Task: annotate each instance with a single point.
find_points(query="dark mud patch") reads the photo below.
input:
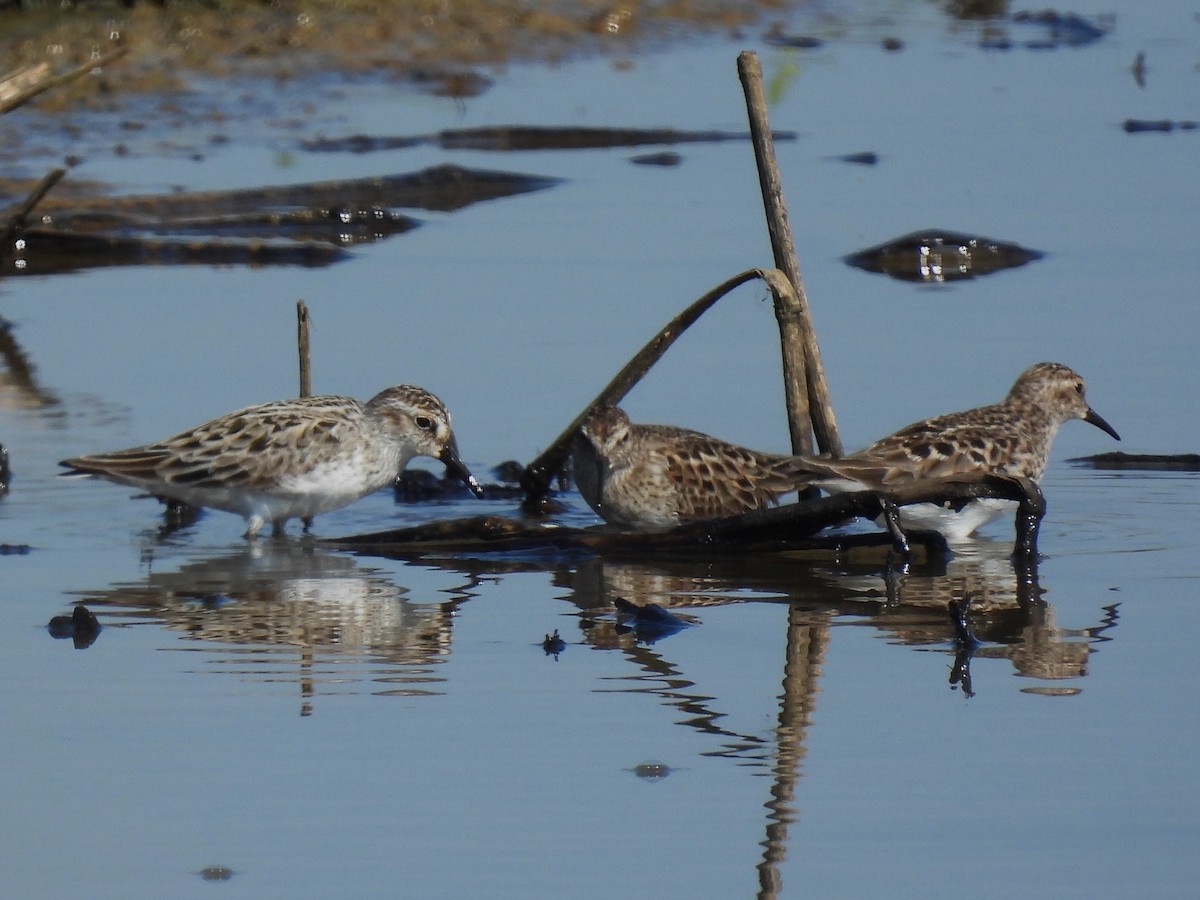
(437, 46)
(1158, 126)
(1150, 462)
(529, 137)
(305, 225)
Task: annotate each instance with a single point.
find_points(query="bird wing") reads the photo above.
(935, 449)
(246, 449)
(716, 478)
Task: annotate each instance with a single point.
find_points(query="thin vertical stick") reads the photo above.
(305, 366)
(302, 345)
(806, 389)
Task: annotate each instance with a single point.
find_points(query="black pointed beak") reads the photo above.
(1096, 419)
(455, 467)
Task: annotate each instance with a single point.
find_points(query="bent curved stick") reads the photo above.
(536, 478)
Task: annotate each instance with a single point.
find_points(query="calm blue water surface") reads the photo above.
(323, 724)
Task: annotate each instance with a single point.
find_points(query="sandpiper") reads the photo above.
(654, 476)
(289, 458)
(1010, 438)
(646, 476)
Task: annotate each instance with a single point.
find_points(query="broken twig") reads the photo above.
(16, 220)
(303, 348)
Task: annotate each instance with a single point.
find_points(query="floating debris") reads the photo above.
(81, 626)
(667, 158)
(936, 255)
(5, 471)
(777, 37)
(1138, 69)
(652, 771)
(866, 158)
(1151, 462)
(1161, 126)
(529, 137)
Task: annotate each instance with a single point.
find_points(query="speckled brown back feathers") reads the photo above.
(252, 447)
(660, 475)
(1012, 437)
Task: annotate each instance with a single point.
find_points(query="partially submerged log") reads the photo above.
(792, 527)
(45, 251)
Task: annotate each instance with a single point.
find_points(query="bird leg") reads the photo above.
(965, 644)
(891, 518)
(1031, 508)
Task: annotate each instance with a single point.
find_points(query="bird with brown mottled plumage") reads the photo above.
(646, 476)
(652, 476)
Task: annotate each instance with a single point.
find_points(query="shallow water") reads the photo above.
(324, 724)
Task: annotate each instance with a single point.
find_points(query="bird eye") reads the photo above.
(424, 422)
(1079, 388)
